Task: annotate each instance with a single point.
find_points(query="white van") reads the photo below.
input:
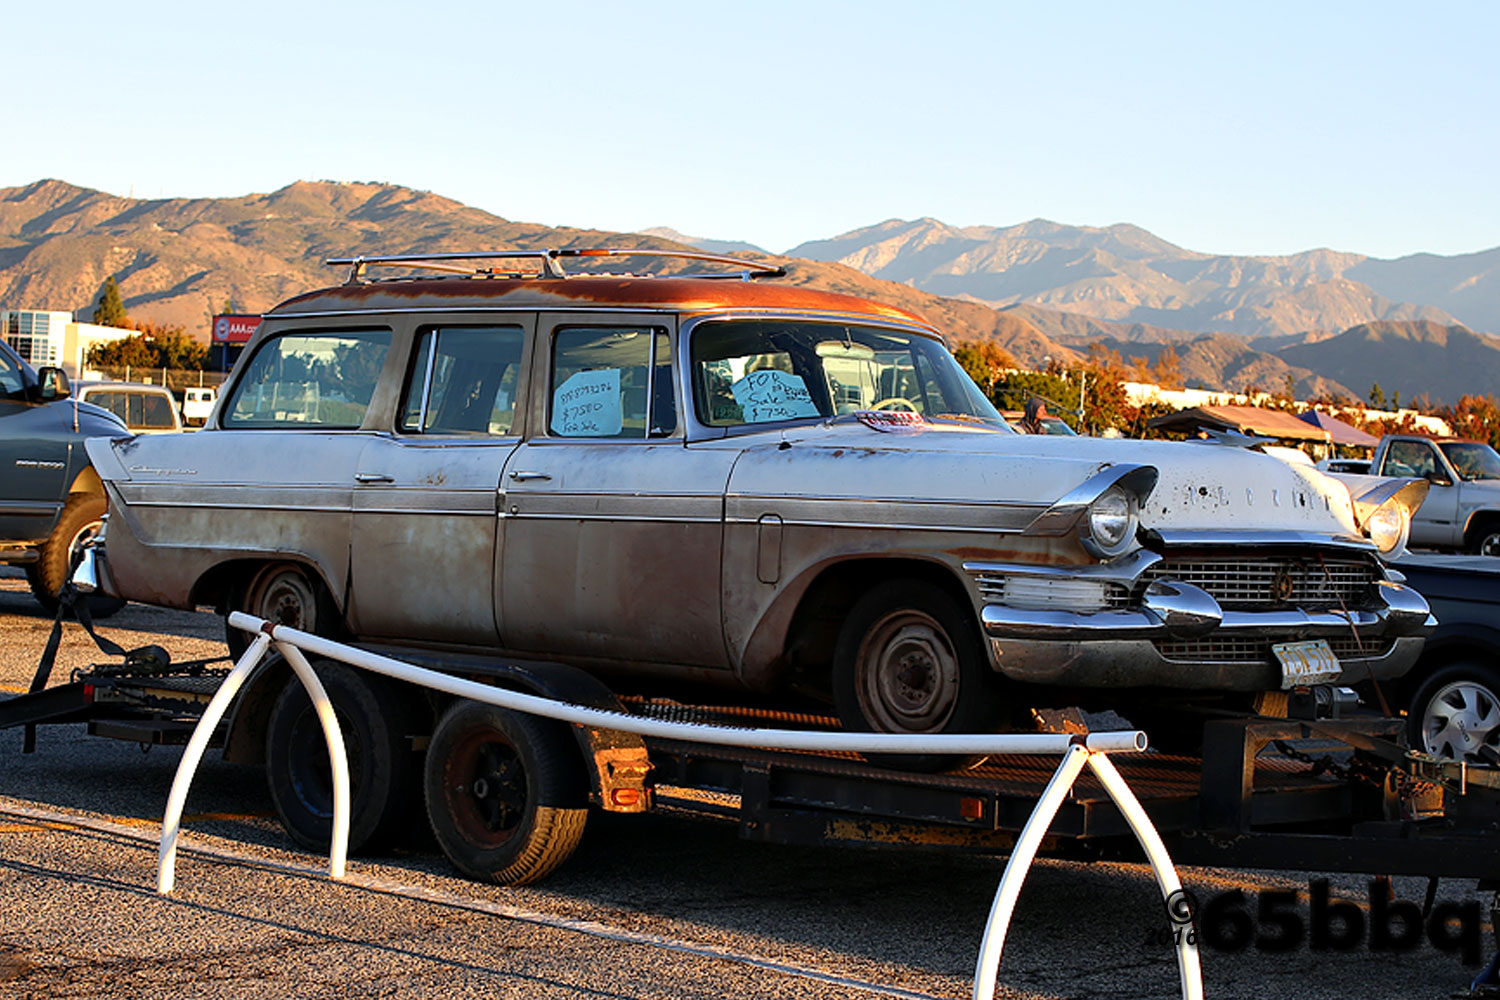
(197, 404)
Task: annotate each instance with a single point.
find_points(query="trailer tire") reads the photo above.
(506, 794)
(907, 660)
(1456, 711)
(377, 723)
(81, 517)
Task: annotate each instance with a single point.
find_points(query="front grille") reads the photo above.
(1256, 649)
(1065, 593)
(1267, 582)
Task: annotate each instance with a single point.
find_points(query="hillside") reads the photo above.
(179, 260)
(1124, 274)
(1442, 362)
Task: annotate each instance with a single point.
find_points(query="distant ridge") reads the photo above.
(180, 260)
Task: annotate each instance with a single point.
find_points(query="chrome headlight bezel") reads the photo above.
(1389, 528)
(1109, 523)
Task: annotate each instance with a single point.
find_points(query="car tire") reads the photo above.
(82, 515)
(908, 660)
(506, 794)
(1456, 711)
(1484, 540)
(282, 593)
(377, 721)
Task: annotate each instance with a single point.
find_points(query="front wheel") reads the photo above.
(82, 516)
(908, 660)
(505, 792)
(1456, 711)
(1485, 540)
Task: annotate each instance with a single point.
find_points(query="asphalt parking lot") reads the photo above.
(650, 907)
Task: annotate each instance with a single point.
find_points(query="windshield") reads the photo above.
(1472, 460)
(764, 371)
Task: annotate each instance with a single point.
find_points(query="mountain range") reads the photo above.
(1041, 290)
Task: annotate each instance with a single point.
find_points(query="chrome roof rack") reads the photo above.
(448, 263)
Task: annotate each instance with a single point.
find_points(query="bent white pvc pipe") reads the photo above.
(171, 823)
(780, 739)
(1189, 971)
(1016, 868)
(338, 761)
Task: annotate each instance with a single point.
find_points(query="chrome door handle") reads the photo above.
(522, 477)
(373, 477)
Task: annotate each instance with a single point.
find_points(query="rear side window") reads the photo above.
(612, 382)
(139, 410)
(310, 379)
(463, 381)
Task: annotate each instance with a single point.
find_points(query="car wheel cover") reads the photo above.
(1489, 545)
(1460, 718)
(907, 674)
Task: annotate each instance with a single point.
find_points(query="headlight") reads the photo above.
(1111, 523)
(1388, 526)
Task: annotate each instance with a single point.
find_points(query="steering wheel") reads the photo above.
(895, 403)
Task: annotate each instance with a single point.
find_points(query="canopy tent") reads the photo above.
(1342, 433)
(1245, 419)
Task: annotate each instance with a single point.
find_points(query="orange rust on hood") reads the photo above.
(688, 295)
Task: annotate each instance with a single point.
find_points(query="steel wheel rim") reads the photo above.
(908, 674)
(1490, 545)
(485, 783)
(84, 535)
(286, 598)
(1459, 719)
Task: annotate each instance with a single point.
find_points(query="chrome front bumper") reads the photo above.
(1125, 647)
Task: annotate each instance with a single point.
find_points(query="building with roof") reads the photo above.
(49, 337)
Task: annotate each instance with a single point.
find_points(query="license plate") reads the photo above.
(1304, 663)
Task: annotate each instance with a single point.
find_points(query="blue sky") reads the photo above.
(1262, 128)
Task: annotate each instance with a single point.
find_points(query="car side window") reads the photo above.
(1410, 458)
(612, 382)
(463, 380)
(319, 378)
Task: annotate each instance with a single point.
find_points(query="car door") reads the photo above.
(613, 526)
(35, 454)
(427, 495)
(1435, 521)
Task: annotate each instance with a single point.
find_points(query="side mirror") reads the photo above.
(52, 384)
(1438, 478)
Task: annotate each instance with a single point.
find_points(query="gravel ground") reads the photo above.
(654, 906)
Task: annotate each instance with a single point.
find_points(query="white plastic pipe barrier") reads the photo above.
(171, 826)
(1077, 751)
(1189, 972)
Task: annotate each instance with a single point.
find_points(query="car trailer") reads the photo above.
(1324, 794)
(1315, 794)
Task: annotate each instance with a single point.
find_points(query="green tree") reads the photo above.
(111, 310)
(985, 361)
(1377, 396)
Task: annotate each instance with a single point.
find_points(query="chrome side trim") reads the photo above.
(883, 512)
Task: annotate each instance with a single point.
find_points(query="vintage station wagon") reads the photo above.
(670, 480)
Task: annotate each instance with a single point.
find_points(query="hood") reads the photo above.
(1199, 485)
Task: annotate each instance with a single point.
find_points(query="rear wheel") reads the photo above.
(505, 792)
(282, 594)
(81, 518)
(908, 660)
(377, 720)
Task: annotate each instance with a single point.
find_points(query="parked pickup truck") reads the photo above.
(1462, 509)
(50, 499)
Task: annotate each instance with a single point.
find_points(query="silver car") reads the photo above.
(686, 480)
